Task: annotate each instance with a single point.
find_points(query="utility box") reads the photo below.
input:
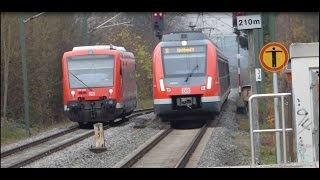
(243, 100)
(305, 93)
(246, 93)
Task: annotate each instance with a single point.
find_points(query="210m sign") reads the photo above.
(249, 22)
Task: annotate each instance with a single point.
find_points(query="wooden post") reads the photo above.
(99, 135)
(99, 138)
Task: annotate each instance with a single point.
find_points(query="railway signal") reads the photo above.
(234, 21)
(158, 23)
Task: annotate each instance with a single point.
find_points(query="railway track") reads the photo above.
(170, 148)
(25, 154)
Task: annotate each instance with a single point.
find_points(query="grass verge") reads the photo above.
(267, 141)
(13, 132)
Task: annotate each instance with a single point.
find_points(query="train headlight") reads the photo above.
(110, 91)
(203, 88)
(161, 85)
(184, 43)
(209, 82)
(168, 89)
(73, 93)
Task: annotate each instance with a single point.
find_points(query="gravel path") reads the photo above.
(222, 149)
(120, 141)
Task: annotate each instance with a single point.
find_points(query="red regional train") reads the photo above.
(99, 84)
(190, 76)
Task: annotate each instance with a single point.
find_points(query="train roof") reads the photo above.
(185, 35)
(110, 47)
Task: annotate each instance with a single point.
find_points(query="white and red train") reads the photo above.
(190, 75)
(99, 84)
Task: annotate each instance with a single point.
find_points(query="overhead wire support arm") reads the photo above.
(124, 23)
(104, 23)
(32, 17)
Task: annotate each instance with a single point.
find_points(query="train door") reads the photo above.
(123, 82)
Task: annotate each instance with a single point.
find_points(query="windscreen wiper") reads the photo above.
(189, 75)
(80, 80)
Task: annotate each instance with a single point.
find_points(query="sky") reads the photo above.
(221, 22)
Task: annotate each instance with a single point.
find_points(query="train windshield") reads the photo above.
(91, 71)
(184, 61)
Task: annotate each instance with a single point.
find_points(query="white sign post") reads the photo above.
(249, 22)
(258, 74)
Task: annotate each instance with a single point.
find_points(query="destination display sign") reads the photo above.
(178, 50)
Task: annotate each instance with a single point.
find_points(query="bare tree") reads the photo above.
(6, 56)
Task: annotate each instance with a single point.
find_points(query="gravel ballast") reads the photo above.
(120, 141)
(222, 149)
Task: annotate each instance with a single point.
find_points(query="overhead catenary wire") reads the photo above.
(242, 35)
(197, 19)
(227, 14)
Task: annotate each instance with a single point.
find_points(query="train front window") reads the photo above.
(184, 61)
(91, 71)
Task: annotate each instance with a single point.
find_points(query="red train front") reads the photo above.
(190, 75)
(99, 84)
